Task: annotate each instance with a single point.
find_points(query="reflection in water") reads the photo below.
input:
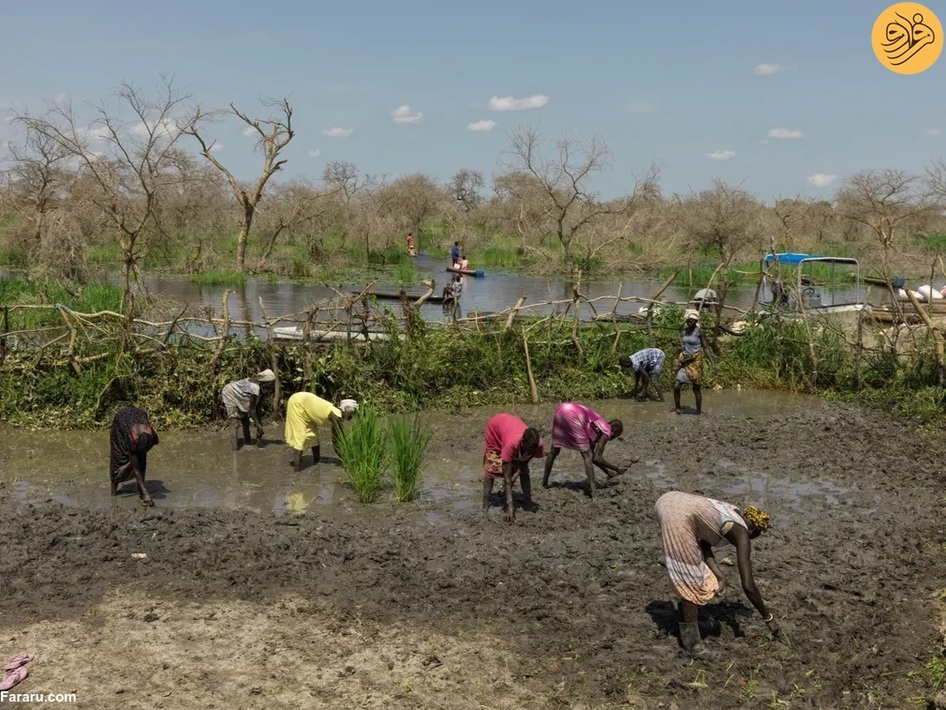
(198, 469)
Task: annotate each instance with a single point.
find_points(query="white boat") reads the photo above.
(294, 332)
(800, 293)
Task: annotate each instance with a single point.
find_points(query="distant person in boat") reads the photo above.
(455, 253)
(582, 429)
(647, 365)
(463, 264)
(510, 445)
(243, 401)
(691, 526)
(305, 413)
(690, 361)
(132, 437)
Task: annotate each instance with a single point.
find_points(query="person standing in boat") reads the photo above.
(242, 401)
(690, 361)
(690, 527)
(646, 365)
(510, 444)
(582, 429)
(132, 437)
(455, 254)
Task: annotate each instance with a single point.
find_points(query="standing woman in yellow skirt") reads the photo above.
(305, 413)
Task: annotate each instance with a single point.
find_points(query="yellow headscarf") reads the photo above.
(758, 518)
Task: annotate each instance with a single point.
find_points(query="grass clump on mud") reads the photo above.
(409, 439)
(362, 447)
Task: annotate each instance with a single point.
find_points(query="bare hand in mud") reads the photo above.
(509, 514)
(776, 631)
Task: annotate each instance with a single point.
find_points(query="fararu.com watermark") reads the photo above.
(7, 696)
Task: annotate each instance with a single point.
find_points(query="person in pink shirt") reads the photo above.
(581, 428)
(510, 445)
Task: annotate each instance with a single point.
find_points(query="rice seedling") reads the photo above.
(362, 447)
(409, 440)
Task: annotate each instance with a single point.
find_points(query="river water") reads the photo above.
(496, 291)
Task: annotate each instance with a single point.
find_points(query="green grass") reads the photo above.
(361, 446)
(389, 257)
(219, 277)
(495, 257)
(409, 440)
(405, 274)
(87, 298)
(14, 257)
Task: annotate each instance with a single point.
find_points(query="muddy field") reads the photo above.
(265, 589)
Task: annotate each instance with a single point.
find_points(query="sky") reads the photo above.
(783, 98)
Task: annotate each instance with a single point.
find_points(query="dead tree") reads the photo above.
(564, 180)
(275, 132)
(129, 161)
(885, 201)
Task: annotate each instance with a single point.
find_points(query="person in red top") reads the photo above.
(410, 243)
(510, 445)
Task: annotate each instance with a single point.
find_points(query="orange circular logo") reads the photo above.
(907, 38)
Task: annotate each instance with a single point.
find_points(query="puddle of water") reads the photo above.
(198, 468)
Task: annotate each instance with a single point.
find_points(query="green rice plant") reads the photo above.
(409, 440)
(362, 447)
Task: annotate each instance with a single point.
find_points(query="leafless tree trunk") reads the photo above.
(275, 133)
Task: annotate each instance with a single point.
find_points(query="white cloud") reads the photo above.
(315, 153)
(933, 132)
(338, 132)
(403, 114)
(721, 155)
(484, 125)
(821, 179)
(61, 98)
(642, 105)
(508, 103)
(92, 134)
(167, 126)
(769, 69)
(785, 133)
(216, 147)
(249, 131)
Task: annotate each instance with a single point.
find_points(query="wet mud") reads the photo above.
(297, 596)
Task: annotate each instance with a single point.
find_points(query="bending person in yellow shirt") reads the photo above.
(305, 413)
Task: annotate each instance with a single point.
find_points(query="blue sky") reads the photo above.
(674, 81)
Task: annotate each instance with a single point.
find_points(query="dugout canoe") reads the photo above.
(467, 272)
(393, 296)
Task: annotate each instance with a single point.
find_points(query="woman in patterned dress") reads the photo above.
(691, 526)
